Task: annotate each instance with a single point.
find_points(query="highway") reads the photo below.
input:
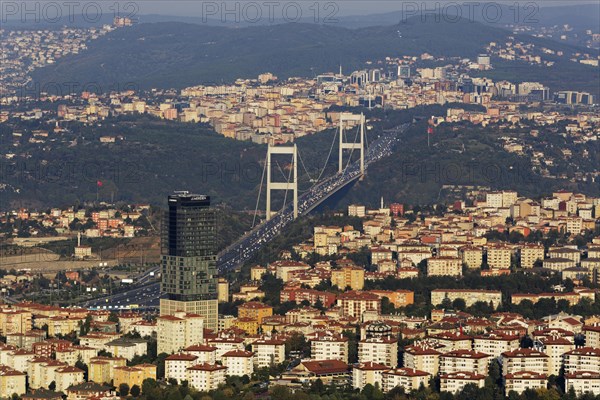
(145, 293)
(243, 249)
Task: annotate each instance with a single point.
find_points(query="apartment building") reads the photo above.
(399, 298)
(530, 253)
(498, 256)
(565, 252)
(380, 350)
(367, 373)
(470, 296)
(254, 310)
(592, 335)
(239, 363)
(524, 360)
(348, 276)
(175, 332)
(176, 366)
(101, 369)
(14, 321)
(206, 354)
(456, 381)
(268, 352)
(496, 343)
(406, 378)
(452, 340)
(126, 347)
(329, 346)
(206, 377)
(75, 353)
(464, 360)
(42, 372)
(12, 381)
(225, 344)
(554, 346)
(583, 382)
(444, 266)
(66, 377)
(423, 358)
(354, 303)
(582, 359)
(522, 380)
(472, 256)
(558, 264)
(134, 375)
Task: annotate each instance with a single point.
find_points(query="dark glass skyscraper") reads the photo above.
(189, 257)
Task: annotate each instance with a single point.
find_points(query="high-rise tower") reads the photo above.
(189, 258)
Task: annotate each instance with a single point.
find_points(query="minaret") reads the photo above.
(78, 239)
(340, 69)
(381, 203)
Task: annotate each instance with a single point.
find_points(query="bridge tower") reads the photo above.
(352, 145)
(292, 150)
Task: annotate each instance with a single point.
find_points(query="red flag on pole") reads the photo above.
(430, 130)
(99, 183)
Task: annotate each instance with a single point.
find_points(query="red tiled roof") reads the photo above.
(238, 353)
(406, 372)
(206, 367)
(322, 367)
(370, 366)
(181, 357)
(518, 353)
(200, 347)
(462, 375)
(526, 375)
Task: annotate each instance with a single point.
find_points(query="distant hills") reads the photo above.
(579, 16)
(171, 54)
(177, 55)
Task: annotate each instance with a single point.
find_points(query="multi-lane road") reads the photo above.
(243, 249)
(146, 291)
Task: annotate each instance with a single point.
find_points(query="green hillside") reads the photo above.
(156, 157)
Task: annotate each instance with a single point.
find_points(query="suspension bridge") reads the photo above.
(323, 188)
(147, 296)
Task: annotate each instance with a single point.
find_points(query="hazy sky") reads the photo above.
(342, 7)
(255, 10)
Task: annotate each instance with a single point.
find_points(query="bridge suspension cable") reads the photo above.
(262, 179)
(304, 166)
(311, 179)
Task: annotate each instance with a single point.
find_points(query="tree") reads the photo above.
(280, 393)
(82, 366)
(352, 345)
(319, 305)
(148, 385)
(386, 306)
(113, 317)
(135, 391)
(495, 373)
(175, 395)
(459, 304)
(123, 389)
(526, 342)
(85, 327)
(446, 303)
(297, 344)
(372, 392)
(317, 387)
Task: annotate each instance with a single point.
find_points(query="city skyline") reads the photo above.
(212, 204)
